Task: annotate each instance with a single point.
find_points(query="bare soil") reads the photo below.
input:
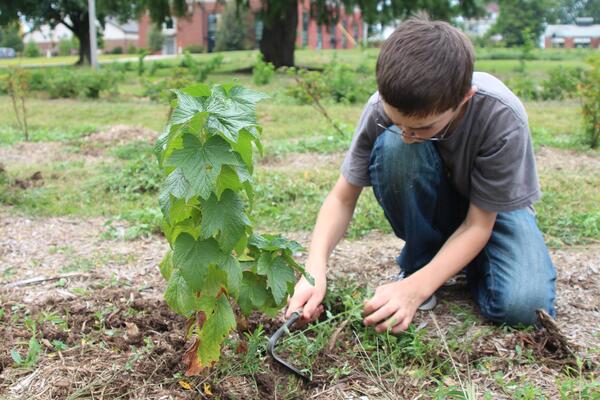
(123, 341)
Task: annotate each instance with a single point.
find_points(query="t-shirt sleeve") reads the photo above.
(504, 176)
(355, 167)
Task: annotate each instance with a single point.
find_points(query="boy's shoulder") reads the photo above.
(497, 98)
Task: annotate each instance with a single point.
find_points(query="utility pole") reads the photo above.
(93, 42)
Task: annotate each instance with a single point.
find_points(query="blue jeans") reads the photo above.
(510, 278)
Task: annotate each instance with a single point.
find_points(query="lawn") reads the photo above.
(79, 206)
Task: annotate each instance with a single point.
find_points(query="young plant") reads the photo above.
(590, 99)
(206, 152)
(17, 86)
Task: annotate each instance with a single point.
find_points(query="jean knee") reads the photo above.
(519, 307)
(393, 159)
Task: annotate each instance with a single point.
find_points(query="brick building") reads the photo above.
(346, 34)
(199, 28)
(583, 34)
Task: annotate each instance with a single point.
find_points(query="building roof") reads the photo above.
(127, 27)
(573, 30)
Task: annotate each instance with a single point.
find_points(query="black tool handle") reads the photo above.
(275, 338)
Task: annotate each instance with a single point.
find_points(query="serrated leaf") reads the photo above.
(215, 330)
(179, 295)
(187, 107)
(278, 273)
(189, 226)
(245, 98)
(200, 164)
(244, 148)
(274, 242)
(228, 179)
(177, 185)
(253, 292)
(225, 217)
(232, 268)
(215, 280)
(197, 90)
(166, 265)
(193, 257)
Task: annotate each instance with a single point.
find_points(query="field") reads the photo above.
(78, 209)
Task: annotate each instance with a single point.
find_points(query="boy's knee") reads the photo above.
(519, 307)
(392, 155)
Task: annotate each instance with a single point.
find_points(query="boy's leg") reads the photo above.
(410, 184)
(514, 275)
(509, 279)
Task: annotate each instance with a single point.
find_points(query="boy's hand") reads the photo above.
(393, 306)
(309, 297)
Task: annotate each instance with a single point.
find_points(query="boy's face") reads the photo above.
(419, 129)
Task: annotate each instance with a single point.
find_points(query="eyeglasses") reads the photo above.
(399, 131)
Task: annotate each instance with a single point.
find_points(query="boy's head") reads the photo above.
(425, 68)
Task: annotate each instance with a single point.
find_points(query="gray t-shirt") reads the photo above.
(489, 155)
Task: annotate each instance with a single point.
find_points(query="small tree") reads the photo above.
(31, 50)
(590, 101)
(17, 87)
(11, 37)
(156, 39)
(232, 32)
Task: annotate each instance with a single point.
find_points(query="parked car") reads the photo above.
(7, 52)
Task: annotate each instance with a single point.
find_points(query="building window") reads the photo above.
(211, 32)
(332, 39)
(258, 30)
(355, 25)
(305, 20)
(169, 23)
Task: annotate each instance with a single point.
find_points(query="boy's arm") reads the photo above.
(332, 221)
(395, 304)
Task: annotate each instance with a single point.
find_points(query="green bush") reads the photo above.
(155, 39)
(338, 82)
(63, 84)
(131, 49)
(524, 87)
(345, 85)
(65, 46)
(37, 80)
(262, 72)
(117, 50)
(95, 82)
(589, 90)
(73, 83)
(159, 91)
(31, 50)
(561, 83)
(194, 49)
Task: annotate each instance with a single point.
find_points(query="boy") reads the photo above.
(449, 155)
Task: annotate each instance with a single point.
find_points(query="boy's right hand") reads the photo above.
(309, 298)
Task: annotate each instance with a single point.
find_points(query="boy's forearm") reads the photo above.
(460, 249)
(332, 221)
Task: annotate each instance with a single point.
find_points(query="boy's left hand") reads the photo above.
(393, 306)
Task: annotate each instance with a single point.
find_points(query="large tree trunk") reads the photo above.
(81, 30)
(279, 35)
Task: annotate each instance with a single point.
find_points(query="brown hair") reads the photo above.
(425, 67)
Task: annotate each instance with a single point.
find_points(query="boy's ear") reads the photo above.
(470, 93)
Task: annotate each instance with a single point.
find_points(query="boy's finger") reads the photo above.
(373, 304)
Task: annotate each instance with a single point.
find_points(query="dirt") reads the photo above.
(123, 341)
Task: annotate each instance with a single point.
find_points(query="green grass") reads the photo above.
(25, 61)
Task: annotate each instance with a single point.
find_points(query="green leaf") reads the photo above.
(201, 164)
(179, 295)
(232, 268)
(187, 107)
(166, 265)
(253, 293)
(225, 217)
(279, 274)
(197, 90)
(215, 279)
(275, 242)
(215, 329)
(174, 209)
(244, 148)
(177, 185)
(193, 257)
(246, 99)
